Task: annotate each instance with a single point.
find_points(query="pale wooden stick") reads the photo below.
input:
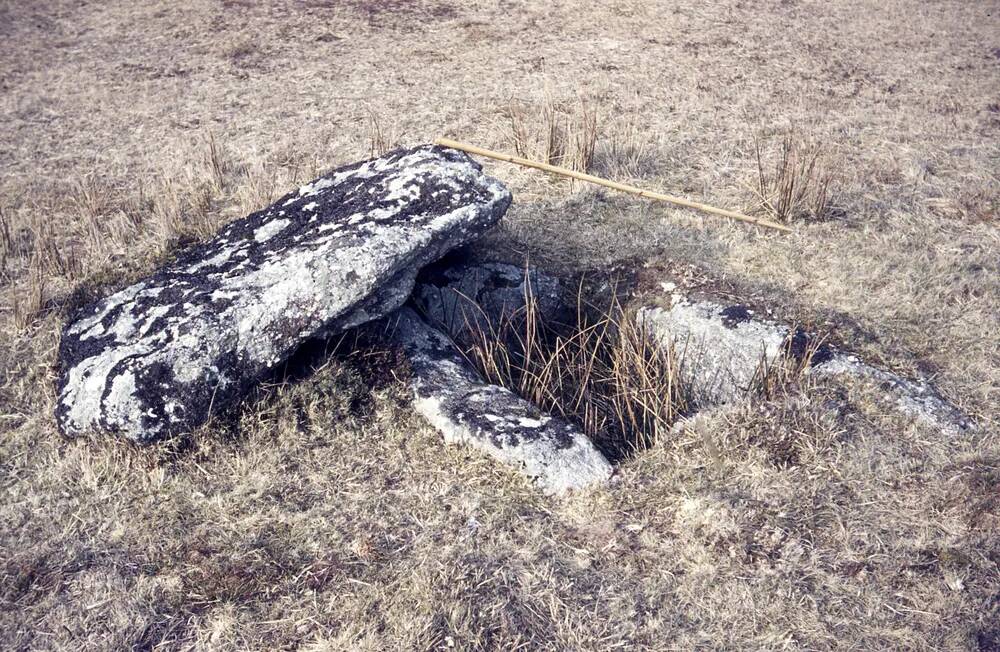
(555, 169)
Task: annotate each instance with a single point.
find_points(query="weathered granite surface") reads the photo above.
(465, 296)
(453, 397)
(724, 344)
(721, 347)
(917, 399)
(159, 356)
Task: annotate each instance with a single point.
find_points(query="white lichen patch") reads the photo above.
(310, 189)
(93, 325)
(272, 228)
(224, 255)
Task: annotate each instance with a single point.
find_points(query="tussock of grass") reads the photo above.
(6, 239)
(383, 134)
(558, 133)
(774, 375)
(624, 151)
(797, 185)
(603, 372)
(216, 163)
(27, 300)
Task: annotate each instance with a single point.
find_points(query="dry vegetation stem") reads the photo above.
(623, 187)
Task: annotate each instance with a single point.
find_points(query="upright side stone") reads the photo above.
(465, 298)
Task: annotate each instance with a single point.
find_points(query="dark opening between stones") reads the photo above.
(366, 364)
(568, 346)
(344, 373)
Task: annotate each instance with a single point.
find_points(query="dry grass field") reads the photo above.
(325, 515)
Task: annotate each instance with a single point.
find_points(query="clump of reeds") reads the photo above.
(216, 164)
(797, 185)
(6, 239)
(28, 300)
(776, 374)
(603, 373)
(383, 136)
(557, 133)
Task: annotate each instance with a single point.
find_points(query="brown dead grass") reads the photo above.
(325, 515)
(382, 135)
(557, 133)
(797, 184)
(604, 372)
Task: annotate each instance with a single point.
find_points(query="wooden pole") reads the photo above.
(623, 187)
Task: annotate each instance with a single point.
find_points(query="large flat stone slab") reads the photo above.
(455, 399)
(159, 356)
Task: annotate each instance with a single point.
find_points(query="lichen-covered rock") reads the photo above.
(158, 357)
(722, 347)
(725, 346)
(462, 297)
(916, 399)
(455, 399)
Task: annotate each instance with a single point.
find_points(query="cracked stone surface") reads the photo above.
(478, 295)
(723, 346)
(156, 358)
(455, 399)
